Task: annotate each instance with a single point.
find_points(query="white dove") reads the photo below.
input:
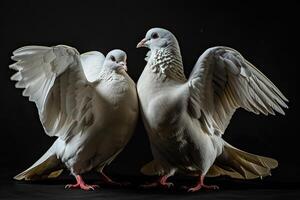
(88, 101)
(186, 118)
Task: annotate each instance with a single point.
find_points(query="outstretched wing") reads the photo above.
(222, 81)
(53, 78)
(92, 62)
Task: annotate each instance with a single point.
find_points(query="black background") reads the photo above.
(264, 34)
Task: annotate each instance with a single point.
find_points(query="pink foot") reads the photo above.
(202, 185)
(81, 184)
(198, 187)
(108, 181)
(162, 182)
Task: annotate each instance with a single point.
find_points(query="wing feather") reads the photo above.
(222, 81)
(53, 78)
(92, 62)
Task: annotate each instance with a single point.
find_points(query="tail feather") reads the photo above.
(48, 166)
(242, 165)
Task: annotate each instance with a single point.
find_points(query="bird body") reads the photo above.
(104, 140)
(185, 118)
(88, 101)
(163, 103)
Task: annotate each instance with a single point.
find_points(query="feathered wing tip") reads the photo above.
(242, 165)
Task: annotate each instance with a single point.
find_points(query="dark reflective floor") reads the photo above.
(229, 189)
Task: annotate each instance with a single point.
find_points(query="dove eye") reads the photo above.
(113, 58)
(154, 36)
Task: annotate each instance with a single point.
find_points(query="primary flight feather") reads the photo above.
(87, 101)
(186, 117)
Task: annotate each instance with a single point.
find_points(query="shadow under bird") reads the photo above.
(186, 118)
(87, 101)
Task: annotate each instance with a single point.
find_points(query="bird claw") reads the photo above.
(82, 186)
(198, 187)
(89, 187)
(69, 186)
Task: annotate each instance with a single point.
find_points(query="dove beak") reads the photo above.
(123, 65)
(142, 43)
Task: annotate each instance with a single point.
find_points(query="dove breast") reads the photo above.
(170, 128)
(119, 100)
(116, 109)
(161, 104)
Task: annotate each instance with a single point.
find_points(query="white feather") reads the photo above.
(92, 62)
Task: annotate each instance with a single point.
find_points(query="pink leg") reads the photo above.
(161, 182)
(108, 180)
(81, 184)
(201, 184)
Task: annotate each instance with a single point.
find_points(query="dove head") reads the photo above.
(157, 38)
(115, 60)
